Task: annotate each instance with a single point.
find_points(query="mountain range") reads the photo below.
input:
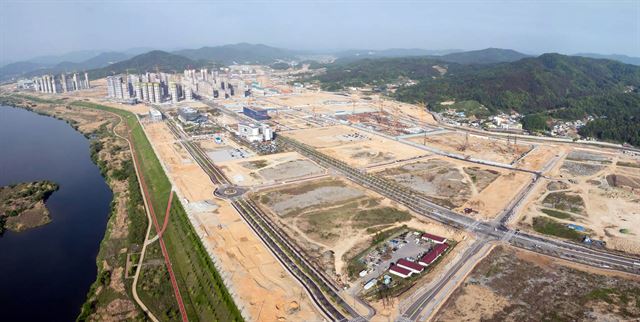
(243, 53)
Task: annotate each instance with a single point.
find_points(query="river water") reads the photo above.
(46, 272)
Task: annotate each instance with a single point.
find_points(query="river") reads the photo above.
(46, 272)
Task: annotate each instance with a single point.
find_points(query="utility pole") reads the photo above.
(424, 121)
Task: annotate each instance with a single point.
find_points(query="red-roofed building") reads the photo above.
(428, 258)
(441, 248)
(434, 238)
(399, 271)
(412, 266)
(433, 254)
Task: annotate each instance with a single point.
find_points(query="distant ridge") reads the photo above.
(484, 56)
(30, 69)
(148, 62)
(621, 58)
(239, 53)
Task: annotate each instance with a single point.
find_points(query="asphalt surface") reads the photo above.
(491, 231)
(488, 231)
(319, 287)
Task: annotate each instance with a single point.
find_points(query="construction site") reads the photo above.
(589, 194)
(340, 214)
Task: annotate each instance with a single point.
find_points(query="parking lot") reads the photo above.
(408, 245)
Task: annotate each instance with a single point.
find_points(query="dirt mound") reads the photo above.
(565, 201)
(580, 169)
(557, 185)
(616, 180)
(439, 180)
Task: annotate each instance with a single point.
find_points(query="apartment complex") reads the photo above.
(62, 83)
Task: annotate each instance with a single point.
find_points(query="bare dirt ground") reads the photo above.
(458, 184)
(267, 291)
(513, 285)
(358, 148)
(539, 157)
(496, 197)
(329, 103)
(268, 169)
(444, 182)
(593, 191)
(330, 136)
(489, 149)
(332, 218)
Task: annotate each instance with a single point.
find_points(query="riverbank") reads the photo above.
(201, 286)
(109, 298)
(22, 205)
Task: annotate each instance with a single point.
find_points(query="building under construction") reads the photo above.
(62, 83)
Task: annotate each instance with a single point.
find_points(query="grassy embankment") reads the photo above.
(201, 286)
(120, 239)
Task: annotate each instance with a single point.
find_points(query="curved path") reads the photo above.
(152, 219)
(134, 286)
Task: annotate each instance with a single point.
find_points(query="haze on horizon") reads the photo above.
(35, 28)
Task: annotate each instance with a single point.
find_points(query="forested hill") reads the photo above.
(483, 56)
(553, 85)
(148, 62)
(380, 71)
(530, 85)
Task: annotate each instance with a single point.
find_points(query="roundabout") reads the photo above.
(229, 192)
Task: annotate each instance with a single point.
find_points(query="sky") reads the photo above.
(36, 28)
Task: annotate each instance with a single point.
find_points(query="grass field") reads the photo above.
(201, 286)
(558, 214)
(549, 226)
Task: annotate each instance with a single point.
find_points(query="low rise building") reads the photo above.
(433, 254)
(155, 115)
(409, 265)
(255, 132)
(433, 238)
(188, 114)
(399, 271)
(255, 113)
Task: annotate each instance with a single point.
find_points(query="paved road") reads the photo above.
(490, 230)
(321, 289)
(414, 311)
(424, 207)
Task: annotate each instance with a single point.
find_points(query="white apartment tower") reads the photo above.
(156, 91)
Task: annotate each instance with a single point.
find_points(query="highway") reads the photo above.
(424, 207)
(320, 288)
(491, 231)
(417, 305)
(487, 231)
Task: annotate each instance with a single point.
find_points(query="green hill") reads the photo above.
(551, 85)
(530, 85)
(377, 71)
(148, 62)
(484, 56)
